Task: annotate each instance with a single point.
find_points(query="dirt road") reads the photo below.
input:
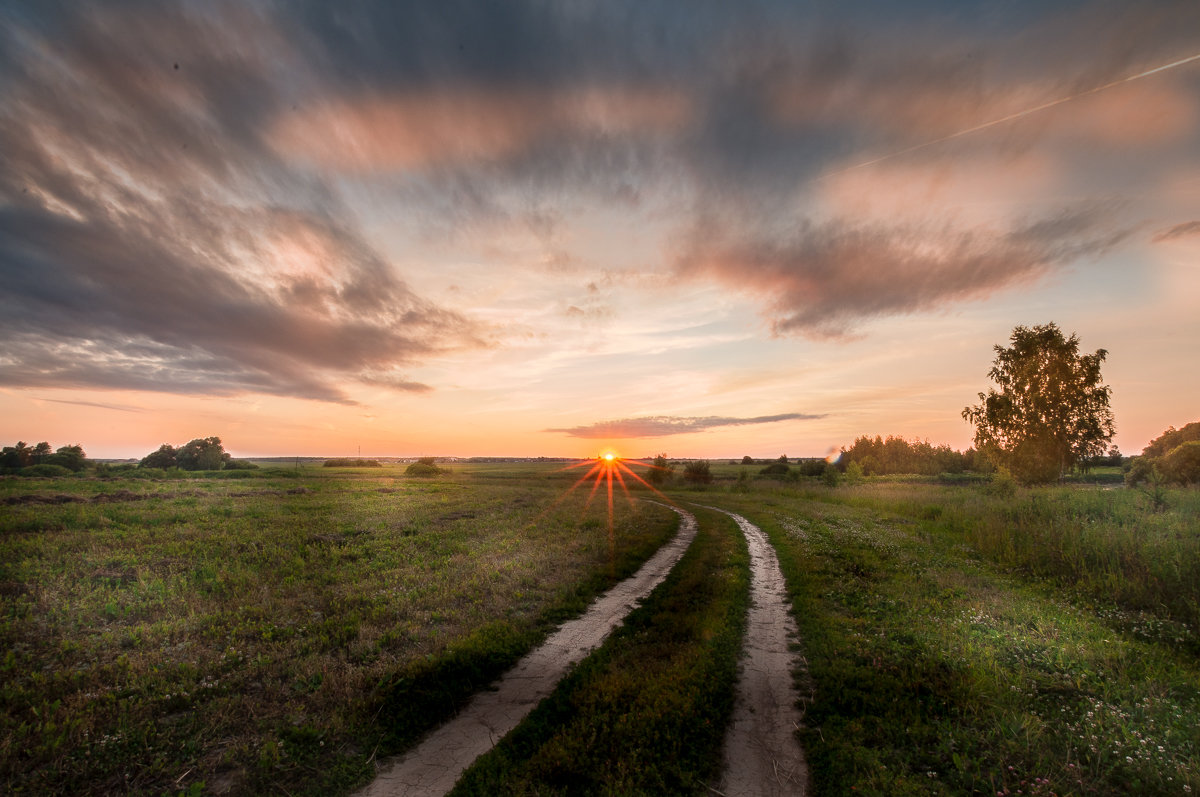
(433, 767)
(762, 755)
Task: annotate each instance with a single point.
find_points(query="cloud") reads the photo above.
(148, 240)
(1184, 230)
(116, 407)
(417, 130)
(665, 425)
(189, 193)
(823, 279)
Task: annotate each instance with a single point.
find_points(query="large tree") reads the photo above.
(1051, 410)
(203, 453)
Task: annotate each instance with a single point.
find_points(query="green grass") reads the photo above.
(941, 668)
(276, 632)
(646, 713)
(279, 630)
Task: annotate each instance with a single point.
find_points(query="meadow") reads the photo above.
(961, 640)
(279, 631)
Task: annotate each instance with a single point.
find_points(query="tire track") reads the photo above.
(761, 753)
(433, 767)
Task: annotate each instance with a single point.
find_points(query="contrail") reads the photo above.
(1012, 116)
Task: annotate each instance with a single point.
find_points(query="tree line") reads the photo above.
(42, 457)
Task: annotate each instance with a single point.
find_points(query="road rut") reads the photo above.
(434, 766)
(762, 755)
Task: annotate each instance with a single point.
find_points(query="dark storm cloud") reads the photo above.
(148, 240)
(665, 425)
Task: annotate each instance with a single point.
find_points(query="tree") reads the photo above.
(661, 471)
(205, 453)
(1182, 464)
(69, 457)
(1173, 456)
(17, 456)
(1051, 411)
(164, 457)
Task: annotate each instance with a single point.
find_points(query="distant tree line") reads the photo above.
(878, 456)
(346, 462)
(41, 457)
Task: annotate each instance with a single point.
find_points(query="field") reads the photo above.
(281, 631)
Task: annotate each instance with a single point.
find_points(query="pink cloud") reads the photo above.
(823, 279)
(413, 130)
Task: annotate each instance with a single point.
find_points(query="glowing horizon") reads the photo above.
(528, 230)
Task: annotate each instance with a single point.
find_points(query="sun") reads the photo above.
(609, 456)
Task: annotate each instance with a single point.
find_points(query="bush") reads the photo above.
(420, 468)
(812, 467)
(51, 471)
(775, 469)
(1182, 464)
(1002, 485)
(661, 471)
(831, 475)
(698, 472)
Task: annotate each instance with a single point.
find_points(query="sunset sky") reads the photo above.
(550, 228)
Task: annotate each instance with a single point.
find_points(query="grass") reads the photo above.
(273, 633)
(941, 667)
(277, 631)
(646, 713)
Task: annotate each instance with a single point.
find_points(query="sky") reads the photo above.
(548, 228)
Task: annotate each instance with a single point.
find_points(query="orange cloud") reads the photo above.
(414, 130)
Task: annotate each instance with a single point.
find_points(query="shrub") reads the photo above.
(775, 469)
(1138, 470)
(812, 467)
(661, 471)
(1002, 485)
(52, 471)
(698, 472)
(240, 464)
(831, 475)
(420, 468)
